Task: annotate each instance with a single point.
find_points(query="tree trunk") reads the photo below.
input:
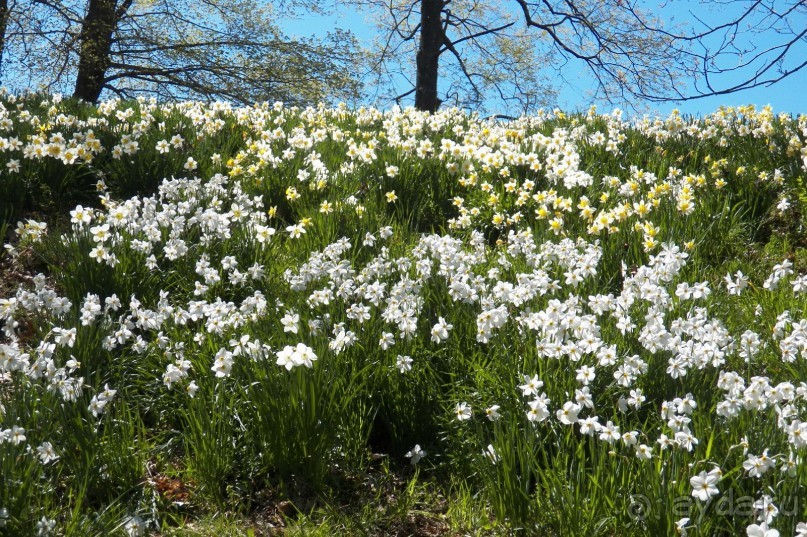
(431, 39)
(95, 42)
(3, 26)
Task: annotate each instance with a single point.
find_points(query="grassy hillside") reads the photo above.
(259, 320)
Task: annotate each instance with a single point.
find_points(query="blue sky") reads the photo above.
(785, 96)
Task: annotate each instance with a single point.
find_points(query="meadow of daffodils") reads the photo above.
(586, 325)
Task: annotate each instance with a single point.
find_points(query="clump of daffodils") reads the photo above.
(392, 301)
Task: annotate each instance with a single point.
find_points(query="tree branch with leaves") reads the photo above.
(198, 49)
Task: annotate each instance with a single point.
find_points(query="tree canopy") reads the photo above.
(226, 49)
(518, 51)
(469, 53)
